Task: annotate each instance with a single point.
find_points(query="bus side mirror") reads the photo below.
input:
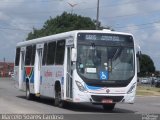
(139, 54)
(74, 55)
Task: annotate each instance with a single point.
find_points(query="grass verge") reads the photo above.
(147, 91)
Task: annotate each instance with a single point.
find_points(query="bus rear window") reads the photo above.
(17, 57)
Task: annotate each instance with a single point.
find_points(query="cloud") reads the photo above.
(8, 4)
(3, 16)
(21, 23)
(155, 33)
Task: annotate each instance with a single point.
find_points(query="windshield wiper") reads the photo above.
(116, 53)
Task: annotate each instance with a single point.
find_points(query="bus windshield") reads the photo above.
(105, 62)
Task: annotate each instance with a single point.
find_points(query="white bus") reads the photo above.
(96, 66)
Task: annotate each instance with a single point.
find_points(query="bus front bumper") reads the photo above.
(104, 98)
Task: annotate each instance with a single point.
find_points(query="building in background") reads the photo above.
(6, 69)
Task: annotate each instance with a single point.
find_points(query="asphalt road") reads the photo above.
(12, 101)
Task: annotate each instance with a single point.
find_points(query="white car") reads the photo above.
(145, 81)
(11, 74)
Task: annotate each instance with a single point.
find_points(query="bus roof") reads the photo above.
(66, 35)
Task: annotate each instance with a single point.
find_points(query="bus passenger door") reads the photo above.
(37, 69)
(21, 69)
(69, 92)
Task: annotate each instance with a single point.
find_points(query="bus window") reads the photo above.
(51, 53)
(44, 54)
(28, 55)
(33, 55)
(17, 57)
(60, 52)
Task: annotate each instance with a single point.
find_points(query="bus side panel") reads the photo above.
(49, 75)
(47, 81)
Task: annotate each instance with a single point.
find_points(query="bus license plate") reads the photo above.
(107, 101)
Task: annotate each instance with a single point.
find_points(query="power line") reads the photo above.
(145, 27)
(1, 28)
(123, 3)
(140, 26)
(132, 14)
(149, 23)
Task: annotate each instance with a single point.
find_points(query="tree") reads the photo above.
(146, 65)
(65, 22)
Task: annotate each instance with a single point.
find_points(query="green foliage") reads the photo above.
(65, 22)
(146, 65)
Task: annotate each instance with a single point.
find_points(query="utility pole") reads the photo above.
(97, 20)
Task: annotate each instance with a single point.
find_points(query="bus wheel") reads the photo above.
(58, 101)
(108, 107)
(28, 94)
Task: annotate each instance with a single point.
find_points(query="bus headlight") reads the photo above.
(80, 86)
(131, 88)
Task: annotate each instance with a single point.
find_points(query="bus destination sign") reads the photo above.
(103, 36)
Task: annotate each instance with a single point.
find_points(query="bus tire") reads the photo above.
(58, 100)
(108, 107)
(29, 96)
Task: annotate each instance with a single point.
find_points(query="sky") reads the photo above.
(139, 17)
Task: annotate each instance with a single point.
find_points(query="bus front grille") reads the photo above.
(97, 98)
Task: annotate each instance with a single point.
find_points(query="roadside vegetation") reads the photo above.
(147, 91)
